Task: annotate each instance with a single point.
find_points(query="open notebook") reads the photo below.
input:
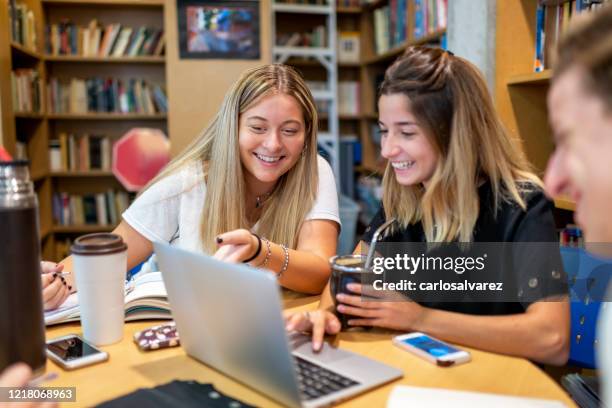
(145, 298)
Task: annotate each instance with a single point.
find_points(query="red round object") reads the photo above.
(139, 155)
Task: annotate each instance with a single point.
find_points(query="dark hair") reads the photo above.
(588, 44)
(421, 74)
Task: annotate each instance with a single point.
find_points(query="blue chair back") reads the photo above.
(588, 278)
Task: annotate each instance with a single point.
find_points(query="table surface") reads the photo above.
(129, 369)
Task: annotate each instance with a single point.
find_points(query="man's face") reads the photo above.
(581, 165)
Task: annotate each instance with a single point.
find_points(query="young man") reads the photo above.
(580, 107)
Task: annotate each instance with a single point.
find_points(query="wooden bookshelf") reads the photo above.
(81, 229)
(532, 78)
(564, 203)
(35, 130)
(105, 116)
(520, 92)
(81, 174)
(348, 10)
(24, 52)
(106, 60)
(395, 52)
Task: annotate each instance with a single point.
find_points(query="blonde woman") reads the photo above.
(253, 170)
(455, 175)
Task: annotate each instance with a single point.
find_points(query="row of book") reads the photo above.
(26, 91)
(552, 19)
(390, 26)
(71, 152)
(114, 40)
(106, 95)
(22, 23)
(317, 37)
(93, 209)
(348, 98)
(429, 16)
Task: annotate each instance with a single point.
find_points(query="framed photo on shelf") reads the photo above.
(216, 29)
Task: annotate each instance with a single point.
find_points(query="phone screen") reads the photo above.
(431, 346)
(71, 348)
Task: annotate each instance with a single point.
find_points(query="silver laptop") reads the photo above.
(229, 317)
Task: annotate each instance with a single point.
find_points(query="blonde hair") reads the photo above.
(216, 149)
(450, 101)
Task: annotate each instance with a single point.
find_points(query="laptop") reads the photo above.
(229, 317)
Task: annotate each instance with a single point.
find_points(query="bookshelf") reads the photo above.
(520, 92)
(32, 131)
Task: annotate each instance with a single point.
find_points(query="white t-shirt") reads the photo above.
(171, 209)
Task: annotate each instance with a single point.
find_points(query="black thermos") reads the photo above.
(22, 330)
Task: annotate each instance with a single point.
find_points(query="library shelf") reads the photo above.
(148, 59)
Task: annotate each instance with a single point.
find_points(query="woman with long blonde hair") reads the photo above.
(250, 188)
(454, 175)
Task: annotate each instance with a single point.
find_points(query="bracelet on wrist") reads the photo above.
(256, 252)
(268, 253)
(285, 262)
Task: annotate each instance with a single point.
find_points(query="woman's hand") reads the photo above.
(236, 246)
(398, 314)
(318, 321)
(55, 289)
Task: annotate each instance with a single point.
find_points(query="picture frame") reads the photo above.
(216, 29)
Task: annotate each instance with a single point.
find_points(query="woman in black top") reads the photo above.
(455, 176)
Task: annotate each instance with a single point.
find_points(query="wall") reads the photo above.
(471, 34)
(196, 87)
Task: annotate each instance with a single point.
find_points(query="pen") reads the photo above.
(59, 273)
(43, 378)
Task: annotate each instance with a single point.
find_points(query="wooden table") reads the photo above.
(129, 369)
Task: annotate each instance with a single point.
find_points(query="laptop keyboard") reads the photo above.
(315, 381)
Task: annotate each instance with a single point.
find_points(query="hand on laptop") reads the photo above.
(319, 321)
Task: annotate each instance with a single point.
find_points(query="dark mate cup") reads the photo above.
(346, 269)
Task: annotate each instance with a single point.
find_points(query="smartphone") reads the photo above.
(72, 352)
(431, 349)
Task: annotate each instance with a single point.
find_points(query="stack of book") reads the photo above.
(26, 87)
(114, 40)
(93, 209)
(80, 153)
(23, 27)
(315, 38)
(348, 97)
(110, 95)
(429, 16)
(552, 19)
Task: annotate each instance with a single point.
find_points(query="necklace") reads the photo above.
(259, 200)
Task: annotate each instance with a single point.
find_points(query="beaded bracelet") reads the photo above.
(268, 253)
(285, 262)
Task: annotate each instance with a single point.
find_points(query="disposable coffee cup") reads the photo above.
(100, 266)
(346, 269)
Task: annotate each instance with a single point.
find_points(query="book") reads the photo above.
(122, 42)
(348, 46)
(145, 298)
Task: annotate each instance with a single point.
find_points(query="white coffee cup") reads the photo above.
(100, 266)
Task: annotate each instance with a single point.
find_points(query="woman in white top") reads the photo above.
(253, 170)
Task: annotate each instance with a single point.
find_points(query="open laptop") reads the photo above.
(229, 317)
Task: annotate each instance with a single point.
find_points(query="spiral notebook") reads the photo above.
(145, 298)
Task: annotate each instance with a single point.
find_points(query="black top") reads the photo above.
(537, 275)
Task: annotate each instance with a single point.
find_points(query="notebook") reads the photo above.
(417, 397)
(145, 298)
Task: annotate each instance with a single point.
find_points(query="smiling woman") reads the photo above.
(250, 188)
(455, 175)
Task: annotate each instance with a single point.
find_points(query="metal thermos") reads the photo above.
(22, 330)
